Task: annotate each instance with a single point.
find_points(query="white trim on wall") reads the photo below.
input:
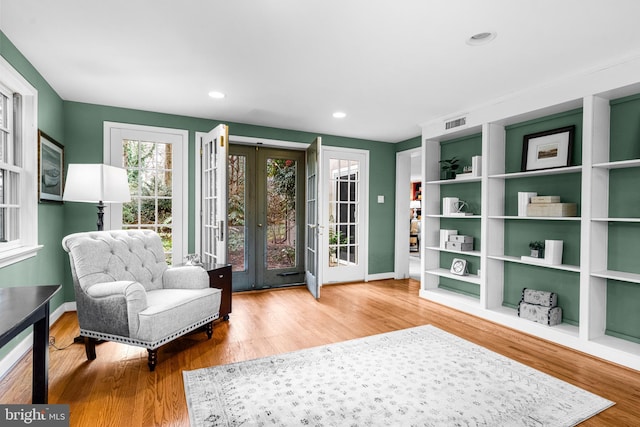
(402, 226)
(27, 246)
(22, 347)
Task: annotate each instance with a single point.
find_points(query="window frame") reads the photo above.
(26, 246)
(113, 133)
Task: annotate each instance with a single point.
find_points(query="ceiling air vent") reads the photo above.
(455, 123)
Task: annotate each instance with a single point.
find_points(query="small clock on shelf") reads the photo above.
(459, 267)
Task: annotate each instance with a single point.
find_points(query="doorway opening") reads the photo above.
(409, 198)
(266, 217)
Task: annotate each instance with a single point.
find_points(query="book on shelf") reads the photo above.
(466, 175)
(476, 165)
(524, 198)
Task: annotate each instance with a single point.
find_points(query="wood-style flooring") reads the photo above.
(117, 388)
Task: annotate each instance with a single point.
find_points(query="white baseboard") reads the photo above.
(380, 276)
(8, 362)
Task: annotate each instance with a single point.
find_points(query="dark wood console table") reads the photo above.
(20, 308)
(220, 277)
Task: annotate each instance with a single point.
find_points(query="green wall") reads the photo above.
(409, 144)
(623, 316)
(47, 268)
(84, 134)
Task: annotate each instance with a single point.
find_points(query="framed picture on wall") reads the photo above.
(50, 168)
(548, 149)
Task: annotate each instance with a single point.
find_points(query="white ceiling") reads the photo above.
(390, 65)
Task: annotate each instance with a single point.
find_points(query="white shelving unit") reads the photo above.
(592, 92)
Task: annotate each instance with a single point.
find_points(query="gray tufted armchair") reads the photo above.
(125, 292)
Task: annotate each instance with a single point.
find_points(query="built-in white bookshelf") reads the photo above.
(589, 270)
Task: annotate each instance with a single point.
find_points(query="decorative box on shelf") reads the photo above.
(540, 306)
(545, 199)
(444, 237)
(552, 209)
(546, 206)
(459, 243)
(549, 316)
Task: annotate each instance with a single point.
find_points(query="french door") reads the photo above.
(213, 195)
(314, 227)
(266, 217)
(345, 173)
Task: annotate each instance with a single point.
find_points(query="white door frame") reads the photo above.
(403, 196)
(233, 139)
(179, 138)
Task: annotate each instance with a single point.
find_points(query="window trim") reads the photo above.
(27, 245)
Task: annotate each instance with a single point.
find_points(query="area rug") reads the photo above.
(420, 376)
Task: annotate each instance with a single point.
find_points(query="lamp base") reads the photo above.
(100, 222)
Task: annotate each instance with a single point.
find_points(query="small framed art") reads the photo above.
(50, 168)
(548, 149)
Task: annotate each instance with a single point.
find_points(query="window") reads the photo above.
(156, 163)
(150, 171)
(18, 167)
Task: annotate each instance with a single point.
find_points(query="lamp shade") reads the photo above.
(96, 182)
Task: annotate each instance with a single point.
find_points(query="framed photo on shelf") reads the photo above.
(548, 149)
(50, 168)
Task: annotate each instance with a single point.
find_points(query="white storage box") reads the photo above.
(552, 209)
(461, 238)
(458, 246)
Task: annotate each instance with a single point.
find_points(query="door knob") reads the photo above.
(259, 225)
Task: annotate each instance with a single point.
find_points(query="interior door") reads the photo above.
(313, 258)
(214, 196)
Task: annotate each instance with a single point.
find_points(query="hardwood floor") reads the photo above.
(117, 388)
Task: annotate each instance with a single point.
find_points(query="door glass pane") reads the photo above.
(344, 179)
(149, 170)
(281, 213)
(236, 212)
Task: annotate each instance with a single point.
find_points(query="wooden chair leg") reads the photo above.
(90, 347)
(153, 359)
(209, 330)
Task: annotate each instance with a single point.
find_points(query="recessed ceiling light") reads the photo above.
(339, 115)
(481, 38)
(216, 95)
